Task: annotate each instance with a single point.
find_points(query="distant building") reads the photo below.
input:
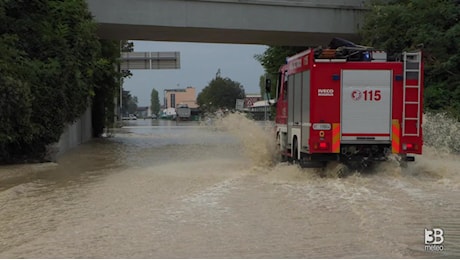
(261, 106)
(142, 112)
(174, 97)
(251, 99)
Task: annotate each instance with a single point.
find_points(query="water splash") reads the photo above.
(256, 137)
(440, 157)
(441, 132)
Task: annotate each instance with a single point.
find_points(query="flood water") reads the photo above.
(161, 189)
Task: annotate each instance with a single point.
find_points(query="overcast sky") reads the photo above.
(199, 65)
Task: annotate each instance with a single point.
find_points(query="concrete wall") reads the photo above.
(74, 134)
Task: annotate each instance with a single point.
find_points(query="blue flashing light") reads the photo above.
(367, 56)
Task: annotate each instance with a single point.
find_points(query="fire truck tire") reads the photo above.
(281, 151)
(336, 169)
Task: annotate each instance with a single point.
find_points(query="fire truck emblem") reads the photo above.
(356, 95)
(325, 92)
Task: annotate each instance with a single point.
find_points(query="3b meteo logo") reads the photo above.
(434, 239)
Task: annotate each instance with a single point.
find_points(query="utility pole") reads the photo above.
(121, 90)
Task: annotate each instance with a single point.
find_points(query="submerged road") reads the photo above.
(158, 189)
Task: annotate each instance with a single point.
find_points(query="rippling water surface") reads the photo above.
(161, 189)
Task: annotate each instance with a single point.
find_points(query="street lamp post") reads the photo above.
(121, 100)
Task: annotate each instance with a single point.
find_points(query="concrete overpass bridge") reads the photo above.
(268, 22)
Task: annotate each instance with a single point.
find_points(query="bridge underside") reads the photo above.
(207, 35)
(267, 22)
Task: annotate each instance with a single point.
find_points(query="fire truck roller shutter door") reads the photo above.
(305, 110)
(366, 106)
(290, 114)
(297, 113)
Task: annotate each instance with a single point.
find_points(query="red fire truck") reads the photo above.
(349, 103)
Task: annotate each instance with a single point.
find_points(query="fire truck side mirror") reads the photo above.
(268, 85)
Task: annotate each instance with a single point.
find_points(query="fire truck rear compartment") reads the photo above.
(366, 106)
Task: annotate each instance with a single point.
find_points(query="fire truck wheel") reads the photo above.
(335, 169)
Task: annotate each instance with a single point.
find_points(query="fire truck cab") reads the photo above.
(348, 103)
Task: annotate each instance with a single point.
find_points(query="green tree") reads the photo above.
(397, 26)
(272, 59)
(106, 86)
(57, 47)
(129, 103)
(132, 105)
(51, 62)
(220, 93)
(126, 46)
(275, 56)
(15, 98)
(154, 102)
